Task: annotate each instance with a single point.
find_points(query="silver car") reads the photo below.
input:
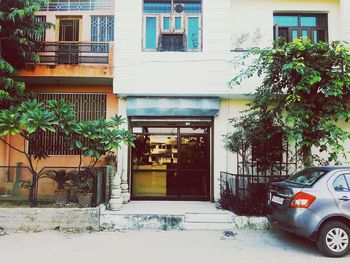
(315, 203)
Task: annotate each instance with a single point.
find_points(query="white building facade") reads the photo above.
(173, 61)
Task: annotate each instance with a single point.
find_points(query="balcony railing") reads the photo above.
(73, 53)
(78, 5)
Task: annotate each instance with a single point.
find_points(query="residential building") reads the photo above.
(168, 74)
(76, 64)
(174, 62)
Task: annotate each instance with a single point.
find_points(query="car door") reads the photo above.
(341, 192)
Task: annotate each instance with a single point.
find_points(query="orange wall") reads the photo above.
(10, 157)
(62, 70)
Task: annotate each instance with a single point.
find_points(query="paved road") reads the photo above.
(159, 246)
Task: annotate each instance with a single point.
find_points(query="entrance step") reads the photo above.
(168, 216)
(208, 218)
(208, 221)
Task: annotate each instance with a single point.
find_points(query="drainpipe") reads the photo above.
(116, 201)
(8, 150)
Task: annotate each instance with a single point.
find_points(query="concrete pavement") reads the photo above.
(159, 246)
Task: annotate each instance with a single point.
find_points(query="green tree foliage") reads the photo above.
(305, 93)
(30, 118)
(18, 28)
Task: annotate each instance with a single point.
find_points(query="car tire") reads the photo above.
(334, 239)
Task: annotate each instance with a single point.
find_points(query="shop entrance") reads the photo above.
(171, 159)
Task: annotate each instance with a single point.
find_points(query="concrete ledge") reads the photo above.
(34, 219)
(251, 222)
(137, 222)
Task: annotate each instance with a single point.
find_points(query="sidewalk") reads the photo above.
(159, 246)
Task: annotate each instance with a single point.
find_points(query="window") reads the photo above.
(307, 176)
(40, 37)
(88, 106)
(172, 25)
(340, 184)
(292, 26)
(102, 28)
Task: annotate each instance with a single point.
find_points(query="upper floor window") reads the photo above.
(172, 25)
(292, 26)
(41, 36)
(102, 28)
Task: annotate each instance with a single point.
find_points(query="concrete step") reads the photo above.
(208, 226)
(208, 218)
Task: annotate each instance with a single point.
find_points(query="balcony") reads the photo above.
(72, 53)
(78, 5)
(71, 60)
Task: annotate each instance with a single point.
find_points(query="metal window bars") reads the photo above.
(78, 5)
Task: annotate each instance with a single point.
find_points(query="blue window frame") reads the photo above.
(151, 32)
(193, 33)
(164, 7)
(172, 25)
(292, 26)
(102, 28)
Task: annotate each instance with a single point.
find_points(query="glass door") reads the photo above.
(171, 163)
(194, 165)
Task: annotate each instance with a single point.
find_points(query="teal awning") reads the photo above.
(172, 106)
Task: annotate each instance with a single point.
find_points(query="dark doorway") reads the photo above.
(68, 50)
(171, 160)
(69, 29)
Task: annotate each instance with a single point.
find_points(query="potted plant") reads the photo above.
(83, 183)
(61, 177)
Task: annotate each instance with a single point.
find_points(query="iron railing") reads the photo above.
(246, 194)
(73, 53)
(78, 5)
(11, 178)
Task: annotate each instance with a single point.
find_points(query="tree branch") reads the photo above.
(16, 149)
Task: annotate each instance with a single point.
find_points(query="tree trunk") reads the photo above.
(33, 199)
(307, 156)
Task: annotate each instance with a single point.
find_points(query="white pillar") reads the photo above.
(123, 156)
(345, 19)
(116, 201)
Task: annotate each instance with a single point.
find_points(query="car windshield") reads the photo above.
(306, 176)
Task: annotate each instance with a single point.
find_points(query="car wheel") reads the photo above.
(333, 239)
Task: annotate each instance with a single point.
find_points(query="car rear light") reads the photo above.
(302, 200)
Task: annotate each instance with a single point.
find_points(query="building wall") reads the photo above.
(10, 157)
(52, 16)
(345, 19)
(171, 73)
(205, 73)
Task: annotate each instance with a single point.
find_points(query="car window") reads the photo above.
(306, 176)
(340, 184)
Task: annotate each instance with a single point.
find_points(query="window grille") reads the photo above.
(88, 106)
(40, 37)
(172, 25)
(164, 7)
(102, 28)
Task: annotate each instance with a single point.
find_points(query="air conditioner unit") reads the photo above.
(179, 8)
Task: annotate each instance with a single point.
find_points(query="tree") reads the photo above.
(305, 92)
(30, 118)
(99, 137)
(18, 30)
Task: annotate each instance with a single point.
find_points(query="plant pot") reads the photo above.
(84, 199)
(62, 196)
